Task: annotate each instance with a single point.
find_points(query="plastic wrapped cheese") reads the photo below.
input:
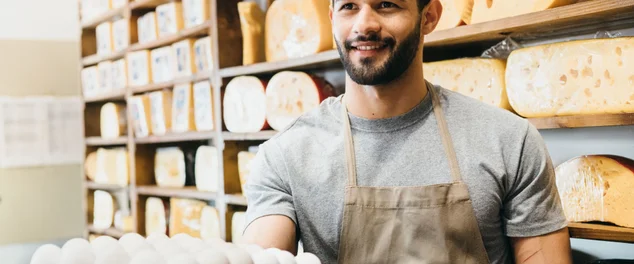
(244, 166)
(169, 18)
(479, 78)
(156, 212)
(163, 64)
(112, 166)
(104, 208)
(453, 13)
(195, 12)
(105, 79)
(174, 167)
(119, 75)
(147, 27)
(103, 32)
(184, 58)
(140, 113)
(297, 28)
(206, 169)
(113, 120)
(183, 118)
(244, 105)
(597, 188)
(572, 78)
(252, 20)
(202, 54)
(203, 106)
(488, 10)
(185, 216)
(209, 223)
(121, 34)
(139, 70)
(161, 111)
(90, 81)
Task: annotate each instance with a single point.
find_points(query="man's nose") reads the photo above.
(367, 22)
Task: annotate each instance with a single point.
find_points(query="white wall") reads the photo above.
(39, 19)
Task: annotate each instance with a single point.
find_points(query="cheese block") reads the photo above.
(163, 64)
(119, 3)
(123, 221)
(105, 78)
(113, 120)
(90, 81)
(120, 34)
(185, 217)
(572, 78)
(140, 113)
(252, 20)
(488, 10)
(103, 32)
(112, 166)
(195, 12)
(103, 210)
(206, 169)
(237, 226)
(209, 224)
(203, 106)
(184, 58)
(174, 167)
(169, 18)
(453, 12)
(119, 74)
(202, 54)
(161, 111)
(244, 166)
(156, 212)
(90, 165)
(244, 104)
(478, 78)
(290, 94)
(183, 119)
(597, 188)
(147, 27)
(139, 70)
(297, 28)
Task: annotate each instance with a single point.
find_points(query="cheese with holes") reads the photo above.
(163, 64)
(453, 12)
(123, 221)
(183, 119)
(252, 20)
(206, 169)
(244, 104)
(572, 78)
(202, 54)
(185, 216)
(238, 220)
(147, 27)
(139, 70)
(156, 212)
(119, 75)
(90, 81)
(169, 18)
(113, 120)
(174, 167)
(90, 165)
(203, 106)
(112, 166)
(140, 113)
(597, 188)
(488, 10)
(103, 32)
(195, 12)
(297, 28)
(209, 224)
(184, 58)
(105, 77)
(120, 34)
(161, 110)
(244, 166)
(478, 78)
(103, 210)
(290, 94)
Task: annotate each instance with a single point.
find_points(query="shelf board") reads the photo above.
(99, 141)
(115, 95)
(176, 137)
(200, 76)
(583, 121)
(322, 59)
(94, 59)
(189, 192)
(105, 187)
(236, 199)
(196, 31)
(113, 232)
(138, 4)
(106, 16)
(262, 135)
(601, 232)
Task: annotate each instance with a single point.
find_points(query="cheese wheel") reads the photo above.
(161, 110)
(183, 118)
(147, 27)
(112, 166)
(453, 12)
(244, 166)
(113, 120)
(572, 78)
(103, 34)
(488, 10)
(90, 81)
(185, 217)
(478, 78)
(155, 216)
(120, 34)
(119, 3)
(289, 94)
(169, 18)
(105, 79)
(202, 54)
(103, 210)
(252, 20)
(597, 188)
(119, 75)
(195, 12)
(90, 165)
(238, 221)
(203, 106)
(174, 167)
(209, 224)
(140, 113)
(163, 64)
(297, 28)
(139, 70)
(123, 221)
(206, 169)
(184, 58)
(244, 104)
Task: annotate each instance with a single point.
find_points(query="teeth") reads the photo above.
(368, 47)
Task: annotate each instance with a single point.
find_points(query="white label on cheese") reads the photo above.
(104, 38)
(120, 34)
(181, 107)
(162, 61)
(203, 106)
(202, 54)
(105, 79)
(119, 76)
(158, 113)
(194, 12)
(138, 68)
(137, 111)
(90, 81)
(182, 54)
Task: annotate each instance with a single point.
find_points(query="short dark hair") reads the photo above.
(421, 4)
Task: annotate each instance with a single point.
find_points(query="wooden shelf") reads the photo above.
(601, 232)
(236, 199)
(94, 59)
(583, 121)
(196, 31)
(201, 76)
(139, 4)
(177, 137)
(105, 187)
(189, 192)
(262, 135)
(107, 16)
(115, 95)
(98, 141)
(320, 60)
(113, 232)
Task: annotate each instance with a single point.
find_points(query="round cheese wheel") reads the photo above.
(212, 256)
(90, 165)
(103, 243)
(47, 254)
(155, 216)
(154, 237)
(148, 256)
(174, 167)
(244, 105)
(182, 258)
(209, 223)
(103, 210)
(134, 244)
(488, 10)
(290, 94)
(206, 169)
(77, 251)
(284, 257)
(112, 254)
(453, 12)
(237, 255)
(113, 120)
(265, 257)
(237, 226)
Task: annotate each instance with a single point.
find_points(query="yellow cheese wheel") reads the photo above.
(488, 10)
(185, 217)
(112, 166)
(453, 13)
(113, 120)
(252, 20)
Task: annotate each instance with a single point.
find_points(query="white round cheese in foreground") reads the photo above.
(148, 257)
(155, 237)
(47, 254)
(212, 256)
(265, 257)
(133, 243)
(307, 258)
(114, 254)
(102, 244)
(182, 258)
(284, 257)
(168, 248)
(252, 249)
(77, 251)
(237, 255)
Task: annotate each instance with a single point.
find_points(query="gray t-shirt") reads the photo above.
(300, 173)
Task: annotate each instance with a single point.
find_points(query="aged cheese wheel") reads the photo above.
(139, 70)
(183, 118)
(140, 113)
(453, 13)
(244, 166)
(195, 12)
(487, 10)
(297, 28)
(174, 167)
(184, 58)
(597, 188)
(103, 33)
(479, 78)
(90, 165)
(147, 27)
(90, 81)
(161, 110)
(169, 18)
(572, 78)
(123, 221)
(156, 212)
(113, 120)
(112, 166)
(202, 54)
(209, 224)
(163, 64)
(103, 210)
(119, 75)
(105, 78)
(203, 106)
(121, 34)
(252, 20)
(244, 104)
(289, 94)
(185, 216)
(206, 169)
(237, 226)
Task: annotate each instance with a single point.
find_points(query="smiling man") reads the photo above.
(398, 170)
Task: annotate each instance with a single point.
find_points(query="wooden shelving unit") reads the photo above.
(224, 29)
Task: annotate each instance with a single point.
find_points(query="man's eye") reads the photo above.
(347, 6)
(387, 5)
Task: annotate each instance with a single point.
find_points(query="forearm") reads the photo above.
(272, 232)
(552, 248)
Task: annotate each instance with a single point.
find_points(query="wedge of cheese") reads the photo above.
(202, 54)
(161, 111)
(139, 70)
(488, 10)
(297, 28)
(140, 114)
(206, 169)
(90, 165)
(453, 13)
(244, 166)
(183, 119)
(174, 167)
(244, 104)
(90, 81)
(238, 220)
(478, 78)
(105, 76)
(597, 188)
(209, 224)
(184, 58)
(203, 106)
(121, 34)
(290, 94)
(252, 20)
(185, 216)
(104, 208)
(195, 12)
(572, 78)
(113, 120)
(156, 212)
(103, 32)
(163, 64)
(112, 166)
(169, 18)
(147, 27)
(119, 75)
(123, 221)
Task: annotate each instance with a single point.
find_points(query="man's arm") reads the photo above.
(550, 248)
(274, 231)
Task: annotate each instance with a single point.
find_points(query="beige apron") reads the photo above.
(412, 224)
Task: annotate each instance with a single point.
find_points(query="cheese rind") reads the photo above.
(252, 20)
(203, 106)
(453, 13)
(113, 120)
(185, 217)
(103, 210)
(163, 64)
(140, 113)
(183, 118)
(184, 58)
(169, 18)
(202, 54)
(488, 10)
(139, 70)
(572, 78)
(195, 12)
(155, 216)
(161, 110)
(244, 105)
(206, 169)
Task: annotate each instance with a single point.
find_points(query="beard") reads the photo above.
(368, 71)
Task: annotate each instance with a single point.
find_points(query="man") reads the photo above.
(401, 171)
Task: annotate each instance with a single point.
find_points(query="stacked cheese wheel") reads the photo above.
(160, 249)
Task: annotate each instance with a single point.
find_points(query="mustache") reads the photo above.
(388, 41)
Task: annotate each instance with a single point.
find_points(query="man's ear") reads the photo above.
(330, 11)
(431, 16)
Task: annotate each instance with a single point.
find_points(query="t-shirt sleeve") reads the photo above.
(266, 190)
(532, 205)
